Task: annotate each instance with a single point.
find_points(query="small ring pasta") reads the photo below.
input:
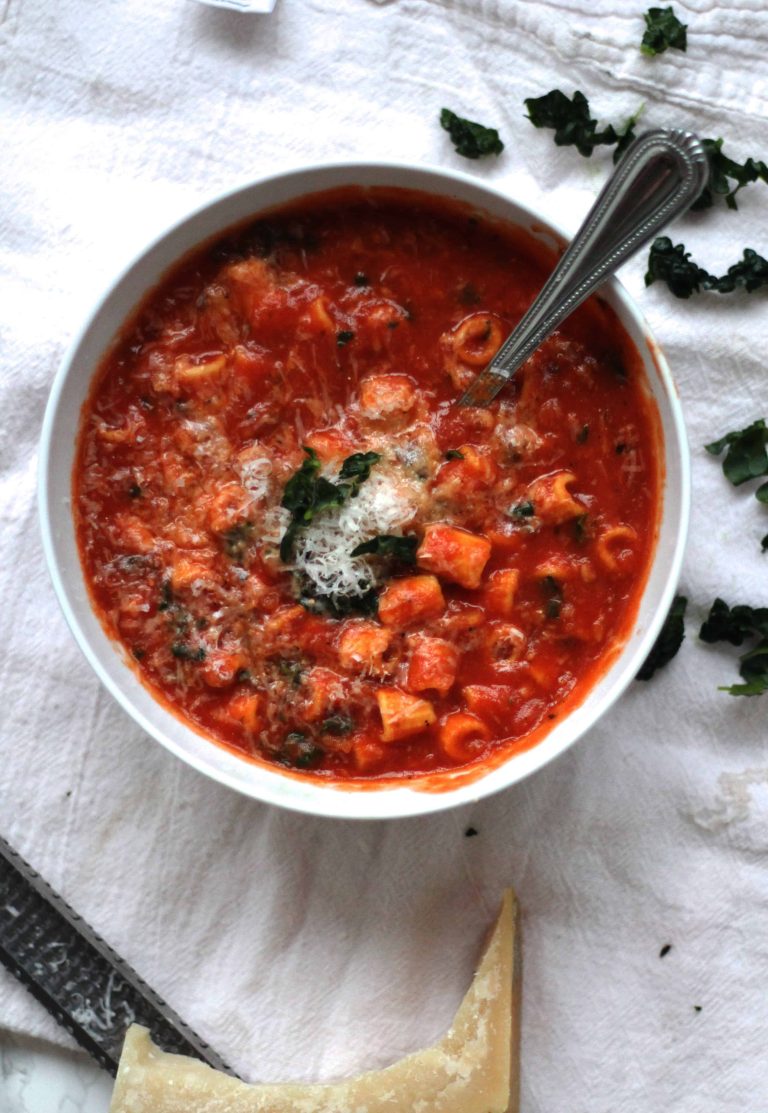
(505, 644)
(609, 550)
(552, 501)
(460, 734)
(477, 339)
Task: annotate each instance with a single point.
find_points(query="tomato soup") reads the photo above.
(308, 550)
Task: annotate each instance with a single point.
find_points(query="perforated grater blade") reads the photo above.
(79, 979)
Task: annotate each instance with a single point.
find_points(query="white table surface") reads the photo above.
(38, 1078)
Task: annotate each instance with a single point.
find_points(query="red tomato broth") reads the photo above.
(240, 357)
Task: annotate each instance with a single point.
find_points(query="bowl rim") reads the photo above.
(335, 799)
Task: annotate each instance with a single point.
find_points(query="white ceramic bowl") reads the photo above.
(107, 658)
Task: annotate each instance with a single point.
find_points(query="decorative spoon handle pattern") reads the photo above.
(659, 177)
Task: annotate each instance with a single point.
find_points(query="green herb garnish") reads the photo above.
(736, 625)
(337, 725)
(673, 265)
(306, 493)
(472, 140)
(522, 510)
(583, 435)
(554, 591)
(340, 606)
(454, 454)
(724, 170)
(663, 31)
(361, 279)
(236, 540)
(746, 457)
(166, 596)
(574, 126)
(669, 640)
(299, 751)
(290, 670)
(184, 652)
(344, 337)
(389, 545)
(134, 491)
(358, 468)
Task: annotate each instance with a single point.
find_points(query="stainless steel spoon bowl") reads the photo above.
(659, 177)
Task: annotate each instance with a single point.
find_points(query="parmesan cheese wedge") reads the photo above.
(473, 1069)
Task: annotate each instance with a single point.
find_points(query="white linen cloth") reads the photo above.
(309, 948)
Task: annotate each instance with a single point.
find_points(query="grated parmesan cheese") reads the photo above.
(387, 501)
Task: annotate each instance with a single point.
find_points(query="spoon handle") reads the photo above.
(660, 176)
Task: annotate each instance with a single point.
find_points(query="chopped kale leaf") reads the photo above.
(236, 540)
(184, 652)
(723, 171)
(736, 625)
(472, 140)
(750, 273)
(669, 640)
(358, 468)
(290, 670)
(663, 30)
(553, 590)
(306, 493)
(746, 457)
(341, 606)
(166, 596)
(300, 489)
(573, 125)
(299, 751)
(337, 725)
(389, 545)
(673, 265)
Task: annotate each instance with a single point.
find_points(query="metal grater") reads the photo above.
(79, 979)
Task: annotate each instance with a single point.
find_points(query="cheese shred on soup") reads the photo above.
(307, 549)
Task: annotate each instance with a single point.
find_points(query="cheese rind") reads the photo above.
(473, 1069)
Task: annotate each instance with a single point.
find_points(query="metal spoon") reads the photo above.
(659, 177)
